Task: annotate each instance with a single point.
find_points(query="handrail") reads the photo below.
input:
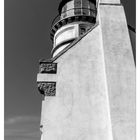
(58, 16)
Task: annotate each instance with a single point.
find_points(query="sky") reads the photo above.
(27, 29)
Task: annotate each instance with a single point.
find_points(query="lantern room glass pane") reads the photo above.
(63, 14)
(85, 3)
(85, 12)
(70, 5)
(92, 5)
(77, 3)
(77, 11)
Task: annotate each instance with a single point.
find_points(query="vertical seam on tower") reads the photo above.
(106, 82)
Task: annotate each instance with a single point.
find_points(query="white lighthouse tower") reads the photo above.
(89, 83)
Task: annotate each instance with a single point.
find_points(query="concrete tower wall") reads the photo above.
(80, 109)
(120, 70)
(95, 84)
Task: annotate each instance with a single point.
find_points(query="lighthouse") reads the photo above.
(76, 18)
(88, 86)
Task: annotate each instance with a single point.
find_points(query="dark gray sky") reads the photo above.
(27, 29)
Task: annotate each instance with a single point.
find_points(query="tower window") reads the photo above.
(82, 31)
